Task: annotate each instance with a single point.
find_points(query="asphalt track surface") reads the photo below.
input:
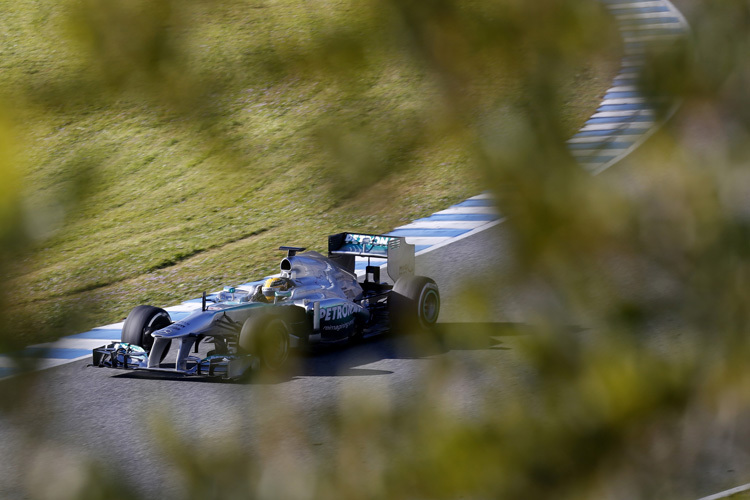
(69, 412)
(73, 410)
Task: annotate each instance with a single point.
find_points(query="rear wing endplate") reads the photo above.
(398, 253)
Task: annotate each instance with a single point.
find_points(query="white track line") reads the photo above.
(728, 493)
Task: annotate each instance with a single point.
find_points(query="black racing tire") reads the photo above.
(414, 303)
(141, 323)
(265, 334)
(359, 332)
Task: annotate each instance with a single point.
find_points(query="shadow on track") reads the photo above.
(344, 360)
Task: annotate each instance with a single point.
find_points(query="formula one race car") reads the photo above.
(315, 299)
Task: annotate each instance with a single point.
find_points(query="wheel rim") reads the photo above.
(275, 348)
(430, 307)
(147, 339)
(158, 322)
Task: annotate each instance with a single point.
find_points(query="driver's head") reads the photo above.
(273, 285)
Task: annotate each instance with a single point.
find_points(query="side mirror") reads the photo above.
(281, 295)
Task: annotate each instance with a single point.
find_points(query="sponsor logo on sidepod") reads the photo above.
(335, 313)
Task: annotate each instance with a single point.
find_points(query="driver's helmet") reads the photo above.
(273, 285)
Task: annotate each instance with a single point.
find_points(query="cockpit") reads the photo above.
(274, 290)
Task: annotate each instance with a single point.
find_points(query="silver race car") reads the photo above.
(315, 299)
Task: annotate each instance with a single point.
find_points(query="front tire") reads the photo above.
(141, 323)
(266, 335)
(414, 303)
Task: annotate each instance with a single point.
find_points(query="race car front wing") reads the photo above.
(124, 356)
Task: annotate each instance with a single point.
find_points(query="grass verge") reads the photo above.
(172, 151)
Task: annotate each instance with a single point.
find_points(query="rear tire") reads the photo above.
(359, 332)
(266, 335)
(414, 303)
(141, 323)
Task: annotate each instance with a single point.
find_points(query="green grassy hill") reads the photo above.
(167, 148)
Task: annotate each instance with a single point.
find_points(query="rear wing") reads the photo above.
(399, 254)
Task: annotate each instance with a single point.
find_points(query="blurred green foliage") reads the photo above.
(650, 259)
